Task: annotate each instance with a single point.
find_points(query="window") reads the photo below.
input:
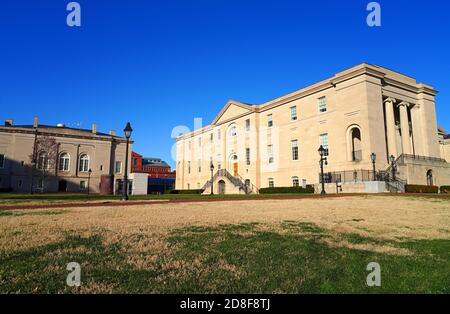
(83, 185)
(42, 161)
(247, 125)
(189, 167)
(22, 163)
(323, 140)
(219, 135)
(198, 186)
(118, 167)
(2, 161)
(294, 148)
(293, 113)
(271, 182)
(101, 167)
(247, 156)
(211, 137)
(84, 163)
(322, 103)
(270, 153)
(64, 162)
(199, 165)
(233, 131)
(188, 186)
(40, 183)
(295, 182)
(269, 121)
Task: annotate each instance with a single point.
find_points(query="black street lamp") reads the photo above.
(33, 161)
(212, 171)
(393, 167)
(323, 159)
(127, 131)
(373, 157)
(89, 181)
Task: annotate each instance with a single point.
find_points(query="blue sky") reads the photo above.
(160, 64)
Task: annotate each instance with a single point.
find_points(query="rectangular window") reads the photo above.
(40, 183)
(247, 156)
(118, 167)
(188, 186)
(322, 103)
(293, 113)
(199, 165)
(271, 183)
(83, 185)
(2, 161)
(269, 121)
(211, 137)
(270, 153)
(323, 140)
(189, 167)
(218, 134)
(294, 148)
(295, 182)
(247, 125)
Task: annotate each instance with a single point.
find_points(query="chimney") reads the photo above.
(94, 128)
(112, 133)
(35, 122)
(8, 122)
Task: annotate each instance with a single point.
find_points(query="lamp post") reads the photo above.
(89, 181)
(212, 171)
(323, 159)
(33, 161)
(127, 131)
(373, 157)
(393, 167)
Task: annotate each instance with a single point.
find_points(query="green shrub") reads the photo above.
(186, 192)
(445, 189)
(410, 188)
(291, 189)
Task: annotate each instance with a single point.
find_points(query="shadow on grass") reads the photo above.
(232, 259)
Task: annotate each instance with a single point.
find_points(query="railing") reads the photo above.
(236, 180)
(350, 176)
(402, 158)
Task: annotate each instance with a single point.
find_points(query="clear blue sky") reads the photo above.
(159, 64)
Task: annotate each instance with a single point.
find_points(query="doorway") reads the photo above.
(62, 186)
(221, 187)
(430, 178)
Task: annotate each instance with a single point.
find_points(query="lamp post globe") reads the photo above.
(127, 131)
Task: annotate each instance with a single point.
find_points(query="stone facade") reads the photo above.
(363, 110)
(76, 152)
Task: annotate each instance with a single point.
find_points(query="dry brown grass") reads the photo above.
(143, 228)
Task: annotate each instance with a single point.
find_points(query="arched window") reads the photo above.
(233, 131)
(42, 162)
(430, 180)
(64, 162)
(295, 182)
(84, 163)
(354, 148)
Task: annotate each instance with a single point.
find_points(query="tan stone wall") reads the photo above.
(17, 147)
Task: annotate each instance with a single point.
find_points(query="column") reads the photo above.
(417, 128)
(390, 127)
(404, 125)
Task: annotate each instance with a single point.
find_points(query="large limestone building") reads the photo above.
(65, 159)
(363, 110)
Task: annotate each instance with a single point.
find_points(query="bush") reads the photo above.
(186, 192)
(410, 188)
(6, 190)
(291, 189)
(445, 189)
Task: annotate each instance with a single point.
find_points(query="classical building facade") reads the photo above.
(363, 110)
(43, 158)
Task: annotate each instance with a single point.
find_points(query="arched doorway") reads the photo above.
(221, 187)
(234, 165)
(430, 181)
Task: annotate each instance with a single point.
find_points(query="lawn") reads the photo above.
(270, 246)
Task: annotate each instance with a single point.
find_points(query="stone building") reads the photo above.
(65, 159)
(363, 110)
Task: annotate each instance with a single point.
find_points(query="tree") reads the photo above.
(45, 155)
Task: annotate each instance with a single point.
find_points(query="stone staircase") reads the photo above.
(237, 181)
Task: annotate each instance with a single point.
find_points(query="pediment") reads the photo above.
(233, 109)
